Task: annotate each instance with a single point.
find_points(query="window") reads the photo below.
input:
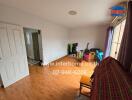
(117, 37)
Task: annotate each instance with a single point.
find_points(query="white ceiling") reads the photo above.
(89, 12)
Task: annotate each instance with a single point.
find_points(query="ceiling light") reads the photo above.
(72, 12)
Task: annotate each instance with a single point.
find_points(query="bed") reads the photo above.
(111, 82)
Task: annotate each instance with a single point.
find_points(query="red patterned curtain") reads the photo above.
(125, 52)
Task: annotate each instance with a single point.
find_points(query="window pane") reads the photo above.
(117, 37)
(113, 50)
(116, 33)
(118, 48)
(122, 30)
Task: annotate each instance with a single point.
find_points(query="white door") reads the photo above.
(13, 61)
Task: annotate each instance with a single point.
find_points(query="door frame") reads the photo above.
(40, 42)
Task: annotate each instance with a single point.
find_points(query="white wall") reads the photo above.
(54, 36)
(57, 40)
(95, 35)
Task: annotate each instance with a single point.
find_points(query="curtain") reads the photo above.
(108, 41)
(125, 52)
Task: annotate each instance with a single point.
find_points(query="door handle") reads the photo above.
(0, 58)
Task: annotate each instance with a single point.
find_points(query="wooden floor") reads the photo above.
(49, 83)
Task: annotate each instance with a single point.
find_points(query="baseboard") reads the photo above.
(44, 64)
(59, 59)
(7, 84)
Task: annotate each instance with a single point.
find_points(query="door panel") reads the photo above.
(12, 42)
(18, 42)
(13, 62)
(4, 43)
(3, 73)
(36, 46)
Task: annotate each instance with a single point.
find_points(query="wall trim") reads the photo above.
(46, 63)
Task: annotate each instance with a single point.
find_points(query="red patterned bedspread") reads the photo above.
(111, 82)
